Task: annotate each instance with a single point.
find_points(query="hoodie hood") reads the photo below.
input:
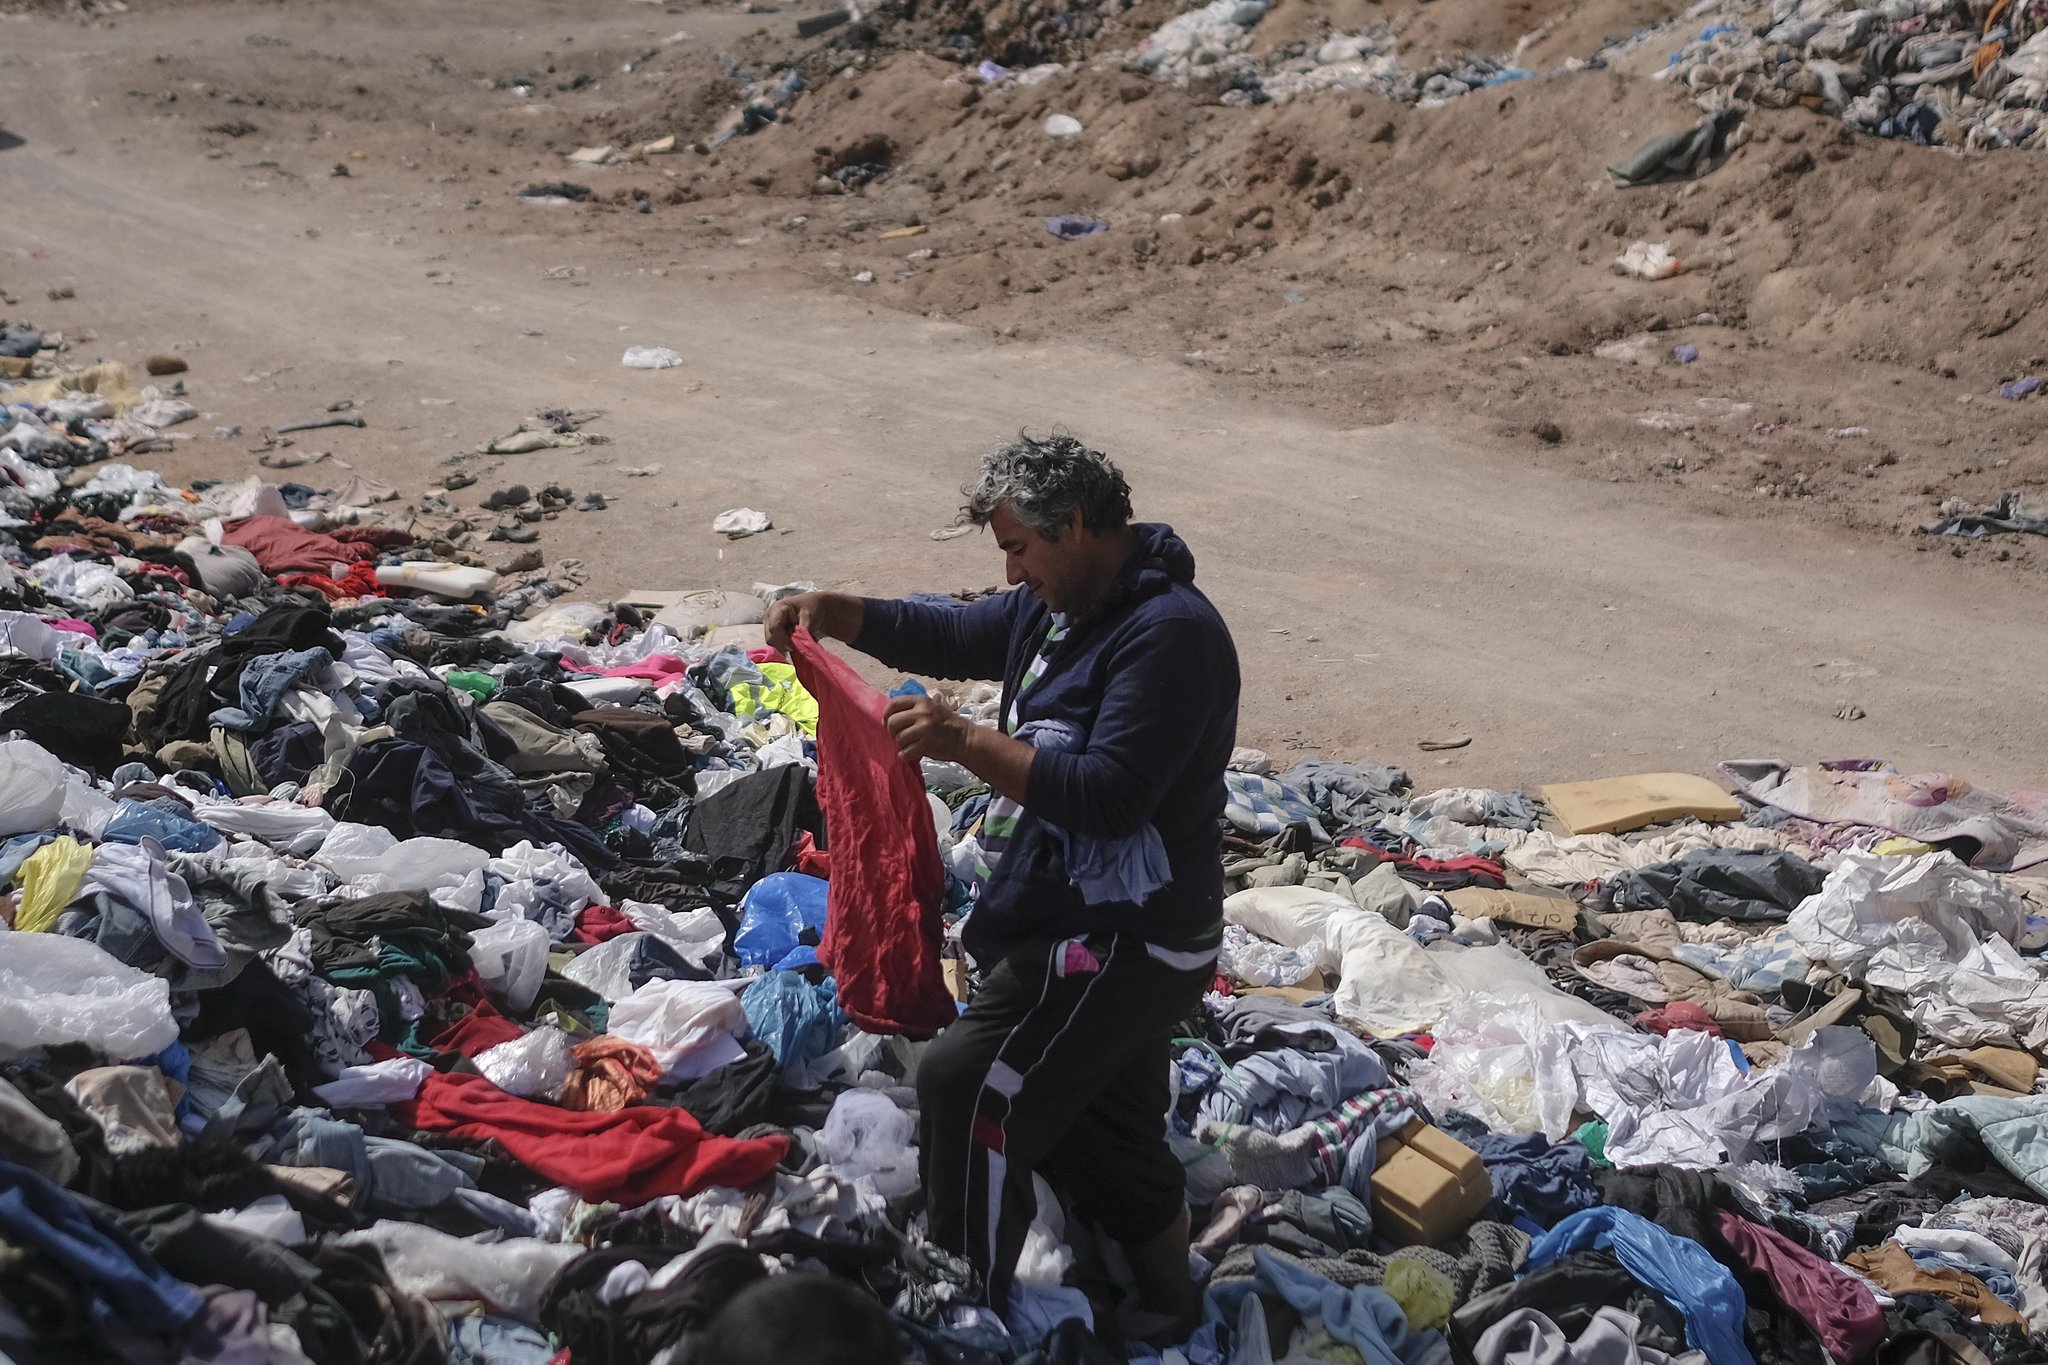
(1161, 561)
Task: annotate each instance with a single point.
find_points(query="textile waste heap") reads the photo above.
(392, 979)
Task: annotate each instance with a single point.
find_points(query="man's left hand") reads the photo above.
(925, 727)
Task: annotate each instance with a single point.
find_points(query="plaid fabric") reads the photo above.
(999, 823)
(1263, 806)
(1331, 1137)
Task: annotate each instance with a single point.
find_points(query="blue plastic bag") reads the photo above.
(135, 822)
(777, 914)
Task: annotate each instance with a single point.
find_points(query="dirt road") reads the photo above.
(1386, 585)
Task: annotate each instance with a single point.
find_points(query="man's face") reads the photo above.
(1044, 566)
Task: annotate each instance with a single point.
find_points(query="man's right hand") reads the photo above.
(827, 615)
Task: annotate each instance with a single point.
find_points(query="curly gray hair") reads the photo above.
(1042, 480)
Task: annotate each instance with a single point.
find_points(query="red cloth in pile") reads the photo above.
(597, 923)
(882, 921)
(631, 1155)
(1676, 1016)
(283, 546)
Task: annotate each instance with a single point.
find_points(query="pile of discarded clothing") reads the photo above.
(401, 965)
(1209, 47)
(1936, 74)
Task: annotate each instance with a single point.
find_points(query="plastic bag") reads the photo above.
(32, 785)
(534, 1067)
(775, 916)
(867, 1135)
(64, 990)
(541, 877)
(1255, 962)
(608, 967)
(1498, 1059)
(421, 864)
(511, 957)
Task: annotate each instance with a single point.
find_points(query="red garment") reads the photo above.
(1839, 1308)
(806, 857)
(766, 654)
(283, 546)
(631, 1155)
(483, 1027)
(882, 925)
(1437, 874)
(359, 581)
(1679, 1014)
(600, 922)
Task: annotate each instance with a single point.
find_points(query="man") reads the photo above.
(1100, 903)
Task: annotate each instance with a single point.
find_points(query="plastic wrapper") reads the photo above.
(1500, 1061)
(608, 967)
(534, 1066)
(776, 914)
(368, 851)
(511, 957)
(32, 787)
(1255, 962)
(64, 990)
(867, 1135)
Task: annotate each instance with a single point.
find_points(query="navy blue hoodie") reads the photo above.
(1149, 675)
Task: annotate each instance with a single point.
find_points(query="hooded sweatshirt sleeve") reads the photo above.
(955, 643)
(1164, 689)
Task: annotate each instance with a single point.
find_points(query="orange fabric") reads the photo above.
(1892, 1267)
(610, 1074)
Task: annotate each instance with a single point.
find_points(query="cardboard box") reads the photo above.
(1428, 1188)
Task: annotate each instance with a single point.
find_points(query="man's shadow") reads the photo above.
(9, 141)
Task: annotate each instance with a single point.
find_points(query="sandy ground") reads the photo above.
(1414, 577)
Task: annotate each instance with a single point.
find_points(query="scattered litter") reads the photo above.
(740, 522)
(1062, 125)
(639, 471)
(1685, 355)
(1434, 746)
(2016, 512)
(1848, 433)
(556, 192)
(594, 156)
(332, 419)
(1678, 156)
(650, 358)
(1070, 227)
(661, 146)
(2020, 388)
(1649, 261)
(1850, 711)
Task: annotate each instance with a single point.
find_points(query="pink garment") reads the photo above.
(766, 654)
(882, 922)
(72, 626)
(653, 668)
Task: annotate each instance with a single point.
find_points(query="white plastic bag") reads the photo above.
(534, 1067)
(608, 967)
(31, 787)
(1500, 1061)
(650, 358)
(1250, 959)
(55, 989)
(511, 957)
(867, 1135)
